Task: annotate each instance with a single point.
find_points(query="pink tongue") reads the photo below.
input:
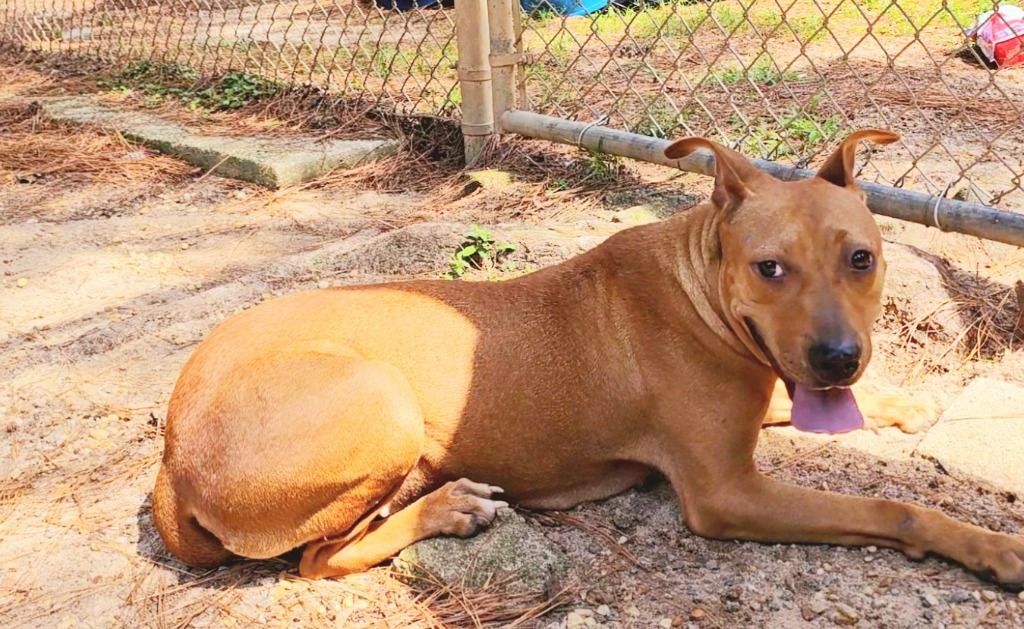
(832, 411)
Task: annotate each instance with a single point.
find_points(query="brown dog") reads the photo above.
(348, 420)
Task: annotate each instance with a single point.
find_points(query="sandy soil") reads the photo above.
(109, 278)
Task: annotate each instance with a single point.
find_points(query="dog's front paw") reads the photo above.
(1001, 559)
(463, 507)
(909, 415)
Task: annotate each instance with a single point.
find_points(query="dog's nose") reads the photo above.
(835, 361)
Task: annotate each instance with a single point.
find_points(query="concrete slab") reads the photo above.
(982, 434)
(270, 162)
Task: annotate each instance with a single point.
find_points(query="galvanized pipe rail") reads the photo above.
(934, 211)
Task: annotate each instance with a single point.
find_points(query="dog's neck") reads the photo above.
(692, 242)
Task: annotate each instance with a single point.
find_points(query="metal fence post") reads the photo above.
(472, 36)
(504, 56)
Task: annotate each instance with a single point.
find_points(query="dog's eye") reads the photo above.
(770, 268)
(862, 260)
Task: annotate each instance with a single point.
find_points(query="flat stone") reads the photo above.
(489, 179)
(636, 215)
(509, 548)
(272, 162)
(975, 434)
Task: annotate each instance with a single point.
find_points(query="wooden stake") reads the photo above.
(503, 57)
(946, 214)
(472, 37)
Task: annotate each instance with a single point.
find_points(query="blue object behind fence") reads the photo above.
(562, 7)
(565, 7)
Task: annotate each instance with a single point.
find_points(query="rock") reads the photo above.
(697, 614)
(973, 194)
(22, 282)
(604, 610)
(989, 596)
(273, 162)
(489, 179)
(846, 615)
(509, 547)
(636, 215)
(818, 604)
(1020, 595)
(633, 611)
(914, 285)
(322, 284)
(807, 613)
(929, 600)
(972, 434)
(665, 623)
(960, 596)
(579, 618)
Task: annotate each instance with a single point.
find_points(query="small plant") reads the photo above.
(812, 131)
(234, 91)
(796, 134)
(159, 81)
(601, 165)
(478, 251)
(560, 185)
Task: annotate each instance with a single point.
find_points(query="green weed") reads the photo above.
(796, 134)
(478, 251)
(158, 82)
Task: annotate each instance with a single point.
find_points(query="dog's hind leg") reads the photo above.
(459, 508)
(182, 534)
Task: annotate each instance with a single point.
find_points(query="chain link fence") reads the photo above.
(403, 60)
(780, 79)
(785, 79)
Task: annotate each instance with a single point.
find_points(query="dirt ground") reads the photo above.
(115, 263)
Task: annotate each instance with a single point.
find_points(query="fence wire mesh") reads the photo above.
(402, 59)
(780, 79)
(784, 79)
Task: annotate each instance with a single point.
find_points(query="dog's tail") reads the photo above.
(182, 534)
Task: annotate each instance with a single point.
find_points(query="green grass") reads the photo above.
(613, 21)
(762, 72)
(671, 20)
(808, 28)
(907, 17)
(728, 16)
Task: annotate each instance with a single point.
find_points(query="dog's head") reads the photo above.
(801, 275)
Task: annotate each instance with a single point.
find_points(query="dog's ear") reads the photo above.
(838, 168)
(732, 171)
